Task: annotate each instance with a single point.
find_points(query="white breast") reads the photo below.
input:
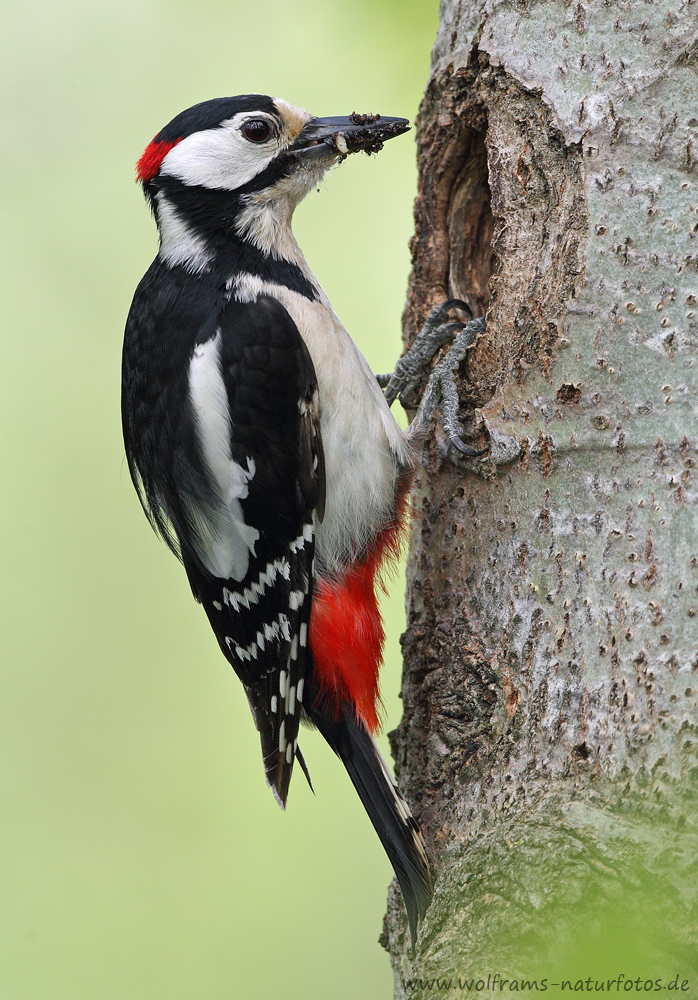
(363, 443)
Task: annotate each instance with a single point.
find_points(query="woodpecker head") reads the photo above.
(236, 167)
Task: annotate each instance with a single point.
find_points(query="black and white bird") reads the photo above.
(261, 445)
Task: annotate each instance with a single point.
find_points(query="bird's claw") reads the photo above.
(441, 388)
(437, 331)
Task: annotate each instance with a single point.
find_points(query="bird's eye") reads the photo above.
(256, 130)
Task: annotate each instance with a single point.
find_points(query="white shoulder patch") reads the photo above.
(224, 541)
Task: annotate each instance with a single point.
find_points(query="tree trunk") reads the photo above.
(549, 743)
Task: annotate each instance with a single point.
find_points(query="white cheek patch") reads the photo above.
(220, 158)
(224, 542)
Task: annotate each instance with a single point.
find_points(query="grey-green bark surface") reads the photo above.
(550, 738)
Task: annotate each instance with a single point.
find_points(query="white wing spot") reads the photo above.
(291, 701)
(231, 599)
(295, 599)
(282, 683)
(218, 606)
(289, 753)
(306, 535)
(282, 737)
(280, 567)
(244, 654)
(299, 695)
(270, 632)
(273, 704)
(303, 634)
(294, 648)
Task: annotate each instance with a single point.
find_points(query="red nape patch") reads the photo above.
(152, 157)
(346, 632)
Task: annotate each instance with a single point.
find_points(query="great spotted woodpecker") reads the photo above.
(261, 445)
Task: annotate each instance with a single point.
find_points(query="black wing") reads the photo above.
(261, 621)
(225, 450)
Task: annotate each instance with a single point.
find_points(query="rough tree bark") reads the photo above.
(550, 738)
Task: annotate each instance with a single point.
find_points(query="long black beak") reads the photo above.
(351, 134)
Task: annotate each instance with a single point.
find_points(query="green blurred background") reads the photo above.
(142, 855)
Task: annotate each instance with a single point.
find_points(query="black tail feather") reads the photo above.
(304, 767)
(386, 808)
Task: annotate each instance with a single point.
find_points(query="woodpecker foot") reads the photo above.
(441, 388)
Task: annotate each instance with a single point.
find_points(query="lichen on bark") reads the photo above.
(550, 738)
